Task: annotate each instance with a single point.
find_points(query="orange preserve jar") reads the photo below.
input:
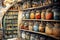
(49, 14)
(32, 15)
(56, 30)
(38, 15)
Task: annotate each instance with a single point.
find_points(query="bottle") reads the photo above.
(49, 29)
(56, 30)
(49, 14)
(32, 15)
(38, 15)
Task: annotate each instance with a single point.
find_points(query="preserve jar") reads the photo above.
(56, 12)
(32, 15)
(27, 15)
(23, 35)
(49, 14)
(31, 26)
(27, 36)
(38, 15)
(56, 29)
(49, 29)
(41, 27)
(32, 37)
(42, 37)
(36, 27)
(22, 25)
(43, 14)
(28, 4)
(26, 26)
(23, 15)
(24, 5)
(36, 37)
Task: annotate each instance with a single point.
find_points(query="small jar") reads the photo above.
(38, 15)
(36, 26)
(32, 15)
(30, 26)
(32, 37)
(36, 37)
(41, 27)
(27, 36)
(56, 30)
(26, 26)
(28, 4)
(23, 15)
(25, 5)
(43, 14)
(49, 29)
(49, 14)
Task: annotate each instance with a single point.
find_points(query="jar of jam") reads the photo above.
(32, 15)
(41, 27)
(26, 25)
(43, 14)
(38, 15)
(49, 29)
(22, 25)
(27, 36)
(36, 26)
(49, 14)
(31, 26)
(56, 30)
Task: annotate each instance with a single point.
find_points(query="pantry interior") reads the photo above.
(32, 20)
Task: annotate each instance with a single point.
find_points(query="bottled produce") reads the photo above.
(56, 12)
(32, 37)
(49, 29)
(27, 15)
(26, 25)
(36, 37)
(41, 27)
(43, 14)
(49, 14)
(23, 35)
(36, 26)
(25, 5)
(42, 37)
(28, 4)
(23, 15)
(32, 15)
(38, 15)
(27, 36)
(22, 25)
(31, 26)
(56, 29)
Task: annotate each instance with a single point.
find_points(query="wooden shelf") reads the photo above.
(41, 20)
(41, 33)
(13, 10)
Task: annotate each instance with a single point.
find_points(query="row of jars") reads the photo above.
(31, 36)
(49, 28)
(47, 14)
(37, 3)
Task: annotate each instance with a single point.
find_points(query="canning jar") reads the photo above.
(41, 27)
(49, 14)
(32, 37)
(56, 29)
(49, 29)
(38, 15)
(32, 15)
(31, 26)
(36, 26)
(43, 14)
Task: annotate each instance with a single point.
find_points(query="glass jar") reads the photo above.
(36, 26)
(27, 15)
(23, 15)
(36, 37)
(25, 5)
(49, 14)
(38, 15)
(49, 29)
(42, 37)
(43, 14)
(56, 30)
(27, 36)
(22, 25)
(26, 26)
(41, 27)
(32, 15)
(30, 26)
(32, 37)
(28, 4)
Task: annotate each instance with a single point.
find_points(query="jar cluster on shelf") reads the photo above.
(36, 3)
(48, 28)
(47, 14)
(31, 36)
